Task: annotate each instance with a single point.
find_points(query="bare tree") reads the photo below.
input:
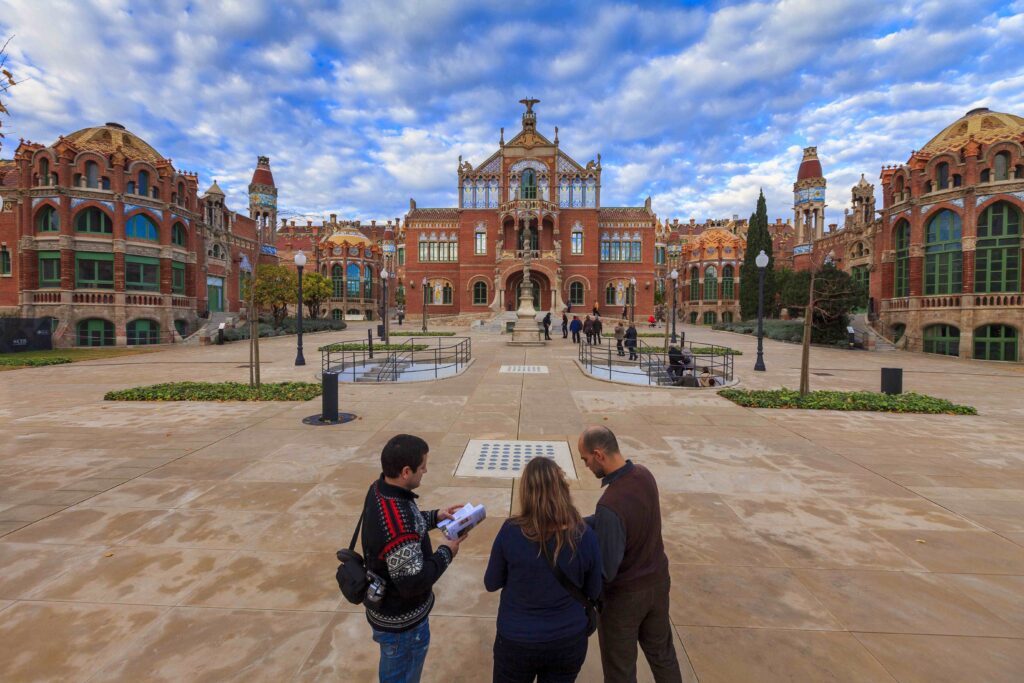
(6, 81)
(831, 294)
(254, 315)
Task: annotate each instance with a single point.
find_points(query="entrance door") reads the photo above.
(536, 295)
(215, 294)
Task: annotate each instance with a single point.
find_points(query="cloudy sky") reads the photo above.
(361, 106)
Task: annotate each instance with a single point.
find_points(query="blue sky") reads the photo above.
(362, 105)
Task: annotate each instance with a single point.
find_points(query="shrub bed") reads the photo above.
(217, 391)
(34, 362)
(846, 400)
(697, 350)
(289, 326)
(421, 334)
(363, 346)
(782, 330)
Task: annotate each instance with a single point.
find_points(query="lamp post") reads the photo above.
(425, 304)
(300, 262)
(762, 262)
(632, 299)
(384, 293)
(675, 278)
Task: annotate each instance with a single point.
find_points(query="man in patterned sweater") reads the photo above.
(397, 548)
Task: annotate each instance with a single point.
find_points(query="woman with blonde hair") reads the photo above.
(547, 563)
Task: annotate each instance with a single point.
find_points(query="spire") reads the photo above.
(529, 117)
(262, 174)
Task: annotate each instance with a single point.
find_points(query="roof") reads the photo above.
(9, 173)
(623, 213)
(444, 213)
(810, 167)
(215, 189)
(984, 125)
(347, 236)
(107, 138)
(262, 174)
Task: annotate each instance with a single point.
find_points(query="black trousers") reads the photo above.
(547, 332)
(618, 347)
(558, 661)
(565, 331)
(576, 337)
(638, 616)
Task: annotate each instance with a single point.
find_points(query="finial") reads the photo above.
(502, 140)
(556, 135)
(529, 102)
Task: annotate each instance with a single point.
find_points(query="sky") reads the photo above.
(364, 105)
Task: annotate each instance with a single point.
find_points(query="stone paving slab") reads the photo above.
(195, 542)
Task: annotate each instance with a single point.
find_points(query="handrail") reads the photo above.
(653, 363)
(387, 365)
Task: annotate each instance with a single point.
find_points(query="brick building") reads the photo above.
(102, 235)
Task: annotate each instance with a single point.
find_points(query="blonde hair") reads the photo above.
(546, 507)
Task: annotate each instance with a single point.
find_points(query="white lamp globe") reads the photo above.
(761, 260)
(300, 259)
(674, 274)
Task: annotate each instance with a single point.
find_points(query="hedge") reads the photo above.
(217, 391)
(363, 346)
(697, 350)
(34, 362)
(288, 327)
(846, 400)
(421, 334)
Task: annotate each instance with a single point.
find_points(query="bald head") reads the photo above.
(599, 450)
(599, 437)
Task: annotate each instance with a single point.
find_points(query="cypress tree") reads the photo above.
(758, 238)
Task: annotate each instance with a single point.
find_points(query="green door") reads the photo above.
(215, 294)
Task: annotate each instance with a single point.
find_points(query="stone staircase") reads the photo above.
(496, 324)
(873, 341)
(207, 334)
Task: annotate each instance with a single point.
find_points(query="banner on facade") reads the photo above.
(25, 334)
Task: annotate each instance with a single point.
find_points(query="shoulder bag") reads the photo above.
(592, 607)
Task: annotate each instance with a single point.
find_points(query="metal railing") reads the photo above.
(653, 366)
(371, 363)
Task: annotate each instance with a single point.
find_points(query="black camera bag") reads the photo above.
(351, 572)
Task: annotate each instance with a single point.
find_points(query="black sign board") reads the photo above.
(25, 334)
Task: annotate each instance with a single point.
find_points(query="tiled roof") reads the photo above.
(624, 212)
(433, 214)
(9, 173)
(105, 139)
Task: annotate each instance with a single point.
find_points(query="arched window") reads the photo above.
(143, 186)
(337, 282)
(480, 293)
(367, 282)
(577, 240)
(44, 172)
(95, 332)
(352, 280)
(693, 317)
(92, 174)
(93, 220)
(576, 293)
(710, 283)
(446, 294)
(528, 185)
(694, 286)
(942, 339)
(480, 241)
(995, 342)
(47, 220)
(1001, 166)
(997, 259)
(143, 331)
(609, 294)
(178, 235)
(727, 316)
(709, 318)
(336, 314)
(141, 227)
(181, 194)
(941, 176)
(943, 263)
(901, 271)
(727, 284)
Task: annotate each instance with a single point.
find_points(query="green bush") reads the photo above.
(34, 362)
(846, 400)
(217, 391)
(363, 346)
(289, 326)
(421, 334)
(722, 350)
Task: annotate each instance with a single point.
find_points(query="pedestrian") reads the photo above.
(620, 335)
(675, 363)
(631, 341)
(597, 330)
(547, 326)
(398, 551)
(636, 575)
(651, 320)
(565, 325)
(625, 311)
(595, 311)
(588, 329)
(575, 326)
(401, 314)
(542, 627)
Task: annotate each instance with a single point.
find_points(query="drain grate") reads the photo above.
(823, 374)
(525, 369)
(506, 459)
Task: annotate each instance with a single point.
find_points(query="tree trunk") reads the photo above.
(805, 351)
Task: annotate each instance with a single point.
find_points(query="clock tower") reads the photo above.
(263, 199)
(809, 199)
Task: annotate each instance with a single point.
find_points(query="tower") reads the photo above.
(263, 199)
(809, 199)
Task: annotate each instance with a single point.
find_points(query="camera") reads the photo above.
(374, 590)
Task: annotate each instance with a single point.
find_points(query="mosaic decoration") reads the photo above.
(80, 201)
(492, 166)
(810, 194)
(269, 249)
(128, 208)
(36, 200)
(519, 166)
(245, 264)
(983, 197)
(566, 166)
(802, 249)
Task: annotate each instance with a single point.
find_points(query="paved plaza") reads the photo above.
(195, 541)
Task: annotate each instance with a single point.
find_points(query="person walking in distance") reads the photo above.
(620, 335)
(636, 576)
(547, 326)
(542, 628)
(398, 551)
(575, 326)
(565, 325)
(588, 329)
(598, 326)
(631, 341)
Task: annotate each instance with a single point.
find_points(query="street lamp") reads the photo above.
(762, 262)
(425, 304)
(675, 278)
(300, 262)
(632, 298)
(384, 293)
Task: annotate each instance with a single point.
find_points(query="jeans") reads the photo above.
(576, 337)
(402, 654)
(618, 347)
(640, 615)
(558, 661)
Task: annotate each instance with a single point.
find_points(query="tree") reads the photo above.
(831, 295)
(316, 289)
(276, 287)
(758, 239)
(6, 82)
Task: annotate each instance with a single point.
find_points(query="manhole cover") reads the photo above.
(506, 459)
(525, 369)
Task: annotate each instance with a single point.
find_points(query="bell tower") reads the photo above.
(809, 199)
(263, 199)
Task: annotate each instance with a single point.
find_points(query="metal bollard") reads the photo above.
(892, 381)
(369, 340)
(329, 398)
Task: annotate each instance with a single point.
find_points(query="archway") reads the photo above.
(541, 291)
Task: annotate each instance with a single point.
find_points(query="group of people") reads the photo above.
(552, 565)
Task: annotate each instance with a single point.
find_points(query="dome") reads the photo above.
(810, 167)
(984, 125)
(108, 137)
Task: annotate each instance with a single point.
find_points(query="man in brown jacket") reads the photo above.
(636, 577)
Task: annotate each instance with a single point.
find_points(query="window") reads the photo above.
(336, 314)
(659, 255)
(44, 172)
(352, 280)
(942, 339)
(178, 278)
(727, 317)
(943, 263)
(446, 294)
(528, 185)
(901, 273)
(178, 234)
(727, 286)
(997, 259)
(142, 273)
(5, 261)
(401, 256)
(479, 293)
(1001, 166)
(576, 293)
(621, 248)
(93, 220)
(367, 283)
(143, 183)
(709, 318)
(693, 317)
(609, 294)
(180, 199)
(694, 287)
(995, 342)
(433, 248)
(141, 227)
(95, 332)
(94, 271)
(337, 282)
(49, 269)
(141, 332)
(577, 242)
(710, 283)
(92, 174)
(941, 176)
(47, 220)
(480, 242)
